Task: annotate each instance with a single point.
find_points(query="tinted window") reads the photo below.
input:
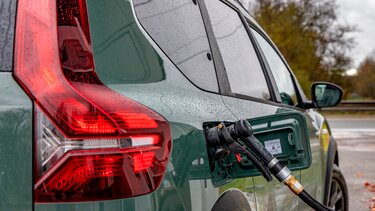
(279, 70)
(7, 19)
(177, 27)
(241, 62)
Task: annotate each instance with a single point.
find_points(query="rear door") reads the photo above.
(251, 95)
(290, 97)
(261, 84)
(160, 56)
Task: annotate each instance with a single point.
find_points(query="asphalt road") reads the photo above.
(356, 142)
(352, 124)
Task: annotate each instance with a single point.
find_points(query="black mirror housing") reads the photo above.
(326, 94)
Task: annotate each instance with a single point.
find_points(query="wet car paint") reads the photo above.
(187, 184)
(16, 120)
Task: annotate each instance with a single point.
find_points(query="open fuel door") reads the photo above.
(285, 135)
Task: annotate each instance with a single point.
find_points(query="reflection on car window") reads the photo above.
(177, 27)
(279, 70)
(7, 22)
(326, 96)
(241, 62)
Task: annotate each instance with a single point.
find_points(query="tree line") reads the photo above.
(363, 84)
(314, 42)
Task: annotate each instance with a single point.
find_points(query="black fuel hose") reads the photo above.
(223, 135)
(242, 129)
(312, 202)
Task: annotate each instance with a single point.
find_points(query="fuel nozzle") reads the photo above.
(226, 135)
(228, 132)
(238, 137)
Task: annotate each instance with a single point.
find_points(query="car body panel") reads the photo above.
(267, 194)
(187, 183)
(16, 118)
(313, 177)
(187, 179)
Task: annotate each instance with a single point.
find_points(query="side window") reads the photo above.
(244, 71)
(279, 70)
(7, 20)
(177, 27)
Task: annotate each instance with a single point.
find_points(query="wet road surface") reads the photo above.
(356, 142)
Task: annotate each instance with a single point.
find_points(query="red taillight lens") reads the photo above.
(91, 143)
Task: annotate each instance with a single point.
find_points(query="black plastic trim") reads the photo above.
(246, 97)
(268, 102)
(226, 80)
(231, 4)
(221, 74)
(220, 68)
(331, 156)
(296, 88)
(241, 5)
(7, 70)
(271, 83)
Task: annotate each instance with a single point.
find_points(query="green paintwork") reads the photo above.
(267, 195)
(128, 61)
(181, 103)
(118, 43)
(290, 128)
(313, 177)
(15, 146)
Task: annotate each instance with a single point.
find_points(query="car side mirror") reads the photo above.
(325, 94)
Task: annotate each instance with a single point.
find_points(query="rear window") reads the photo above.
(7, 19)
(177, 27)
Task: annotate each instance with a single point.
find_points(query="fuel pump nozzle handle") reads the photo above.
(232, 135)
(242, 130)
(224, 136)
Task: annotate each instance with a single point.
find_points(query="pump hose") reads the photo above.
(241, 130)
(296, 187)
(312, 202)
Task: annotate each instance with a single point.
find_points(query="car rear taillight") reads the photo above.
(91, 143)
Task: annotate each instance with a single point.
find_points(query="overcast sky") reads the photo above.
(362, 14)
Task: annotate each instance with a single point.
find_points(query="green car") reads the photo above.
(105, 105)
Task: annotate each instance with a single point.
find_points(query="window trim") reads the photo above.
(266, 71)
(222, 70)
(223, 81)
(221, 74)
(300, 99)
